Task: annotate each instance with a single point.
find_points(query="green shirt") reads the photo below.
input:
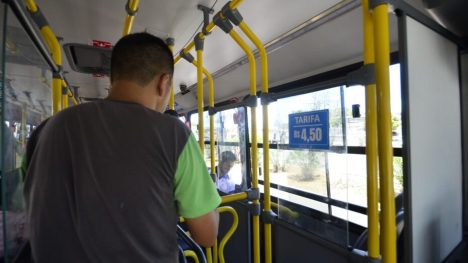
(192, 176)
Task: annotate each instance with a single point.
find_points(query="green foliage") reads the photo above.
(398, 170)
(396, 122)
(306, 162)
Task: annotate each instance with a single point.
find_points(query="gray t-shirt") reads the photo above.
(105, 183)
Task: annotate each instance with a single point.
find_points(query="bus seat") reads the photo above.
(361, 241)
(186, 243)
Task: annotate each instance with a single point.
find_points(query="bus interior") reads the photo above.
(342, 122)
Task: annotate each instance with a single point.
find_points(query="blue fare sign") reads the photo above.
(309, 130)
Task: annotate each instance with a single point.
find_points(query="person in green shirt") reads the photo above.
(107, 180)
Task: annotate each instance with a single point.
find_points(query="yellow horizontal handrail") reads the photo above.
(233, 197)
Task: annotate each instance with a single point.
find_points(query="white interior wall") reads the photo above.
(434, 143)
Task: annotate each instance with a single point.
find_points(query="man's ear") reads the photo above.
(163, 84)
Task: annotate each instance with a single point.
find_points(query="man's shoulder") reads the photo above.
(75, 109)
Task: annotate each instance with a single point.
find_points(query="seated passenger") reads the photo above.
(225, 181)
(107, 179)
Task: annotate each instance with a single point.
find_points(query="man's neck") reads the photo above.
(131, 92)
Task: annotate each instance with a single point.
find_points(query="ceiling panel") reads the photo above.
(85, 20)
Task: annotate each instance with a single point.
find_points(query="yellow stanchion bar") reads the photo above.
(215, 252)
(266, 143)
(209, 255)
(212, 134)
(201, 127)
(191, 254)
(56, 95)
(69, 93)
(211, 104)
(230, 232)
(75, 102)
(133, 7)
(31, 6)
(54, 46)
(373, 245)
(233, 197)
(212, 142)
(172, 98)
(235, 4)
(253, 111)
(177, 59)
(387, 194)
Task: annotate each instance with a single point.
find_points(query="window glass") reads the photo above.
(355, 101)
(300, 169)
(278, 115)
(303, 175)
(25, 102)
(230, 149)
(194, 125)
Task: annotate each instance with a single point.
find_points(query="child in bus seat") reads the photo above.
(225, 181)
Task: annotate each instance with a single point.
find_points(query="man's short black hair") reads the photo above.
(140, 57)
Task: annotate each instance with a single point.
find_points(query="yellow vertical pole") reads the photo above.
(253, 111)
(170, 43)
(56, 95)
(54, 46)
(70, 94)
(212, 135)
(371, 140)
(266, 143)
(132, 8)
(32, 7)
(387, 194)
(209, 255)
(211, 105)
(201, 127)
(215, 252)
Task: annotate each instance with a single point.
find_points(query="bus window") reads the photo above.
(331, 182)
(26, 88)
(231, 151)
(356, 125)
(230, 148)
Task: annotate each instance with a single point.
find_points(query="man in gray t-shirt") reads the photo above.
(107, 179)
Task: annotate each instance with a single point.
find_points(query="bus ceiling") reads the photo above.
(309, 38)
